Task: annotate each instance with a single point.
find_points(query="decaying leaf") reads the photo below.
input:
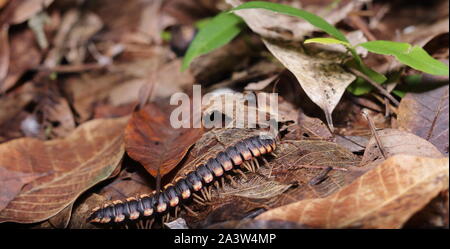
(151, 140)
(257, 188)
(302, 161)
(385, 197)
(49, 176)
(24, 54)
(426, 115)
(397, 142)
(320, 75)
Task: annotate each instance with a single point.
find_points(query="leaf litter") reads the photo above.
(70, 102)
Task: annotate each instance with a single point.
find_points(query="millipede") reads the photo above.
(244, 153)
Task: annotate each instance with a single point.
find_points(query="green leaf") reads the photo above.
(288, 10)
(360, 87)
(413, 56)
(214, 34)
(327, 41)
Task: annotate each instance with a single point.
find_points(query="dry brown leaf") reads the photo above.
(320, 75)
(151, 140)
(49, 176)
(385, 197)
(24, 55)
(397, 142)
(257, 187)
(426, 115)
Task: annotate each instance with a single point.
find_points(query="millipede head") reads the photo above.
(225, 161)
(214, 166)
(234, 155)
(242, 148)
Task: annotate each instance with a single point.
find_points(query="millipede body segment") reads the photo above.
(146, 205)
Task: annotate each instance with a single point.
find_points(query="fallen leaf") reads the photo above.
(256, 188)
(277, 26)
(385, 197)
(320, 75)
(151, 140)
(426, 115)
(24, 54)
(397, 142)
(67, 167)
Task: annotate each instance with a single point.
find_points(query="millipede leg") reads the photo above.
(177, 209)
(198, 198)
(233, 182)
(252, 163)
(265, 162)
(216, 184)
(199, 202)
(256, 163)
(241, 173)
(166, 218)
(273, 154)
(246, 165)
(190, 210)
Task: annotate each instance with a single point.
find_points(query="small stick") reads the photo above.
(374, 133)
(376, 85)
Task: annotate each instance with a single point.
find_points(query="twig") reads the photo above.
(376, 85)
(374, 133)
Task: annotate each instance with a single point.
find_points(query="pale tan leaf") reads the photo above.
(320, 75)
(385, 197)
(398, 142)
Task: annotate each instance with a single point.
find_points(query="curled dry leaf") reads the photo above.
(385, 197)
(320, 75)
(43, 178)
(151, 140)
(426, 115)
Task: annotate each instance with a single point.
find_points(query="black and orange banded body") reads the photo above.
(183, 188)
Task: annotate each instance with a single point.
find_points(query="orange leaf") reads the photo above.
(152, 141)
